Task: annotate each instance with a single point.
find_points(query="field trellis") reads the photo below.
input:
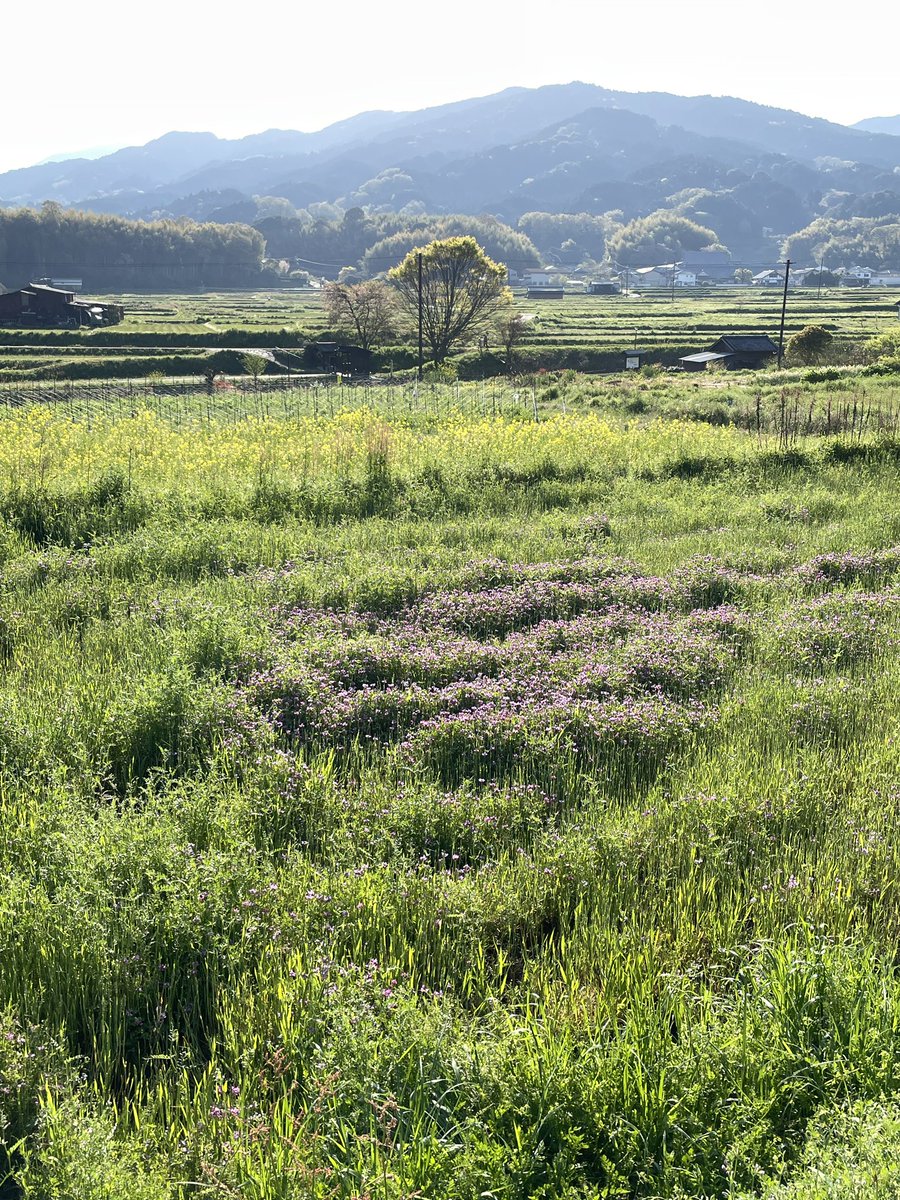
(277, 398)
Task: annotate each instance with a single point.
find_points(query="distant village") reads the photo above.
(697, 269)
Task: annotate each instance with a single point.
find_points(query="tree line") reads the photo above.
(369, 244)
(871, 241)
(112, 253)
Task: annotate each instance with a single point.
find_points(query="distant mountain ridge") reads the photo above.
(889, 125)
(761, 172)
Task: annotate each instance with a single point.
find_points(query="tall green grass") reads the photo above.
(232, 964)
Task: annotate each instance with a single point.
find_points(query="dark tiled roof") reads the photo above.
(705, 258)
(753, 343)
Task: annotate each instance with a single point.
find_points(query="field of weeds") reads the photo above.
(449, 804)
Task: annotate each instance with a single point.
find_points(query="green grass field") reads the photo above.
(577, 319)
(444, 802)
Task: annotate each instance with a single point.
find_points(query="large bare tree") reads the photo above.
(367, 311)
(511, 328)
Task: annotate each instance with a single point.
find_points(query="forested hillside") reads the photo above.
(569, 173)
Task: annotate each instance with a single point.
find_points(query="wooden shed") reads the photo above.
(337, 358)
(736, 351)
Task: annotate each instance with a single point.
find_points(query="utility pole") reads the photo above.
(821, 269)
(673, 282)
(419, 265)
(787, 273)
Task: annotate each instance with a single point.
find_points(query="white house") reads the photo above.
(660, 276)
(539, 276)
(855, 276)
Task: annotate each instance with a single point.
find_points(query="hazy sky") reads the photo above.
(115, 74)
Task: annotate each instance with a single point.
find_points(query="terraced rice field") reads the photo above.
(698, 318)
(162, 327)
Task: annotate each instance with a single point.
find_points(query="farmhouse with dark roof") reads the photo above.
(39, 304)
(735, 351)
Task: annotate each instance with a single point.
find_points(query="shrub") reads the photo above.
(812, 344)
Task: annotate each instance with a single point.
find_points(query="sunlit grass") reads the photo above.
(463, 807)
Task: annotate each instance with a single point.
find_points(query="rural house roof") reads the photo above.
(704, 356)
(746, 343)
(45, 288)
(706, 258)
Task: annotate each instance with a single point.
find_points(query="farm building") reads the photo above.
(39, 304)
(338, 358)
(545, 293)
(768, 279)
(539, 276)
(734, 352)
(855, 276)
(602, 287)
(708, 266)
(66, 285)
(661, 276)
(654, 276)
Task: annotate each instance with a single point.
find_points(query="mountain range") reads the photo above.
(571, 147)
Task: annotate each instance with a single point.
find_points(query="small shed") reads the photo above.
(735, 351)
(602, 287)
(699, 362)
(337, 358)
(545, 293)
(746, 349)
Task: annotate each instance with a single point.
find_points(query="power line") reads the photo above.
(771, 265)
